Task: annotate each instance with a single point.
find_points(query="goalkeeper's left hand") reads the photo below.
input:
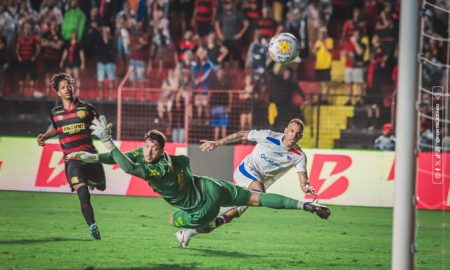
(84, 156)
(102, 130)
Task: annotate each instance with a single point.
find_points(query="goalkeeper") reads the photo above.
(198, 198)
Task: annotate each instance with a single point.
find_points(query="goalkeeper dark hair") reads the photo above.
(57, 78)
(156, 135)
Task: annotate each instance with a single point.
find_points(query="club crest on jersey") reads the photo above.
(81, 114)
(289, 158)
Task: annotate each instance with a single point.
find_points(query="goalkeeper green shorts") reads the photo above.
(217, 194)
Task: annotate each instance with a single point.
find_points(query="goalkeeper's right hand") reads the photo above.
(84, 156)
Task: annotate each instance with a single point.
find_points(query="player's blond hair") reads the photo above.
(298, 122)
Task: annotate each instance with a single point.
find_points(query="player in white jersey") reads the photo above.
(274, 154)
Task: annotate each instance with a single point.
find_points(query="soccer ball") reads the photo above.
(283, 48)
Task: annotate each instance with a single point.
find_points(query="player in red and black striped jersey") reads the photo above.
(71, 121)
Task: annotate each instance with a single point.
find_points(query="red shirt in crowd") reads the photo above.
(27, 46)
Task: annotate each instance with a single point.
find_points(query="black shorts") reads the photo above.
(91, 174)
(27, 67)
(323, 75)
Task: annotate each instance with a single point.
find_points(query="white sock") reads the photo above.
(300, 205)
(241, 209)
(190, 232)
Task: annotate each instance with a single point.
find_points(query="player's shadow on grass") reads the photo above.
(42, 240)
(211, 252)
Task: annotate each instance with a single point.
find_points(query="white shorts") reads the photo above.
(244, 176)
(354, 75)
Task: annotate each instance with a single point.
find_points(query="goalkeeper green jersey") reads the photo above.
(170, 176)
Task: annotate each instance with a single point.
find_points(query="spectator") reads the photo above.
(4, 63)
(245, 104)
(322, 49)
(186, 87)
(123, 27)
(27, 15)
(165, 102)
(139, 49)
(92, 35)
(52, 46)
(161, 40)
(220, 101)
(74, 20)
(27, 50)
(50, 12)
(186, 44)
(353, 24)
(252, 14)
(257, 56)
(204, 16)
(426, 137)
(215, 52)
(187, 62)
(378, 82)
(178, 116)
(385, 30)
(266, 25)
(386, 141)
(203, 71)
(73, 59)
(106, 64)
(230, 28)
(354, 67)
(283, 91)
(8, 24)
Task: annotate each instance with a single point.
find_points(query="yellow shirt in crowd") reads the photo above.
(323, 56)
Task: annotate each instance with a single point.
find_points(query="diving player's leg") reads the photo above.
(78, 182)
(237, 211)
(246, 179)
(277, 201)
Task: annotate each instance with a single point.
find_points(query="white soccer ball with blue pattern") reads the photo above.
(283, 48)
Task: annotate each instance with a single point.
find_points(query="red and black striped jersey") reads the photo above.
(73, 127)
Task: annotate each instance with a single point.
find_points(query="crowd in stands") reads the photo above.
(202, 48)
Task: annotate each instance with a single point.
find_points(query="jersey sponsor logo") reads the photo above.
(81, 114)
(179, 222)
(289, 158)
(270, 161)
(73, 128)
(153, 172)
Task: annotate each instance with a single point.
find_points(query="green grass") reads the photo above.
(47, 231)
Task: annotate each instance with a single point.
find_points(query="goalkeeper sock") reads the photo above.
(85, 202)
(218, 221)
(277, 201)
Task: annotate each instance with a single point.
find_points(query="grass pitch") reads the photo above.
(47, 231)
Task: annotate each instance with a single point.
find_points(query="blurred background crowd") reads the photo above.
(208, 60)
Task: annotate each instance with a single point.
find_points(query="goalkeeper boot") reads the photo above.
(322, 211)
(184, 236)
(95, 232)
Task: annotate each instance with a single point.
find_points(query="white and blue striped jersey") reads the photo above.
(269, 160)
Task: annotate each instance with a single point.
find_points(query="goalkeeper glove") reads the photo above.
(86, 157)
(102, 130)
